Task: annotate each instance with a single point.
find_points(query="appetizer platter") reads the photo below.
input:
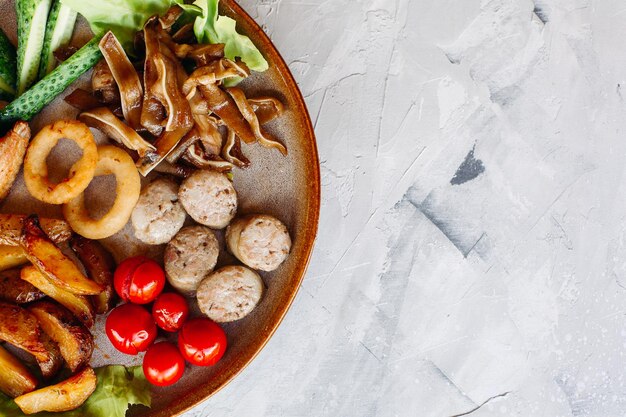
(159, 200)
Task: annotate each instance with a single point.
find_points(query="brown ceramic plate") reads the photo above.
(288, 188)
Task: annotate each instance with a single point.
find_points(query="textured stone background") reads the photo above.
(471, 252)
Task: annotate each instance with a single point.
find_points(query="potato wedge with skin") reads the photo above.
(21, 329)
(74, 339)
(77, 304)
(11, 229)
(49, 259)
(15, 378)
(12, 150)
(65, 396)
(100, 267)
(11, 256)
(15, 290)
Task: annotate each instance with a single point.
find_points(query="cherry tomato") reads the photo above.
(130, 329)
(202, 341)
(170, 311)
(139, 280)
(163, 364)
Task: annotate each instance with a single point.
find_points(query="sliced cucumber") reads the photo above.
(26, 106)
(32, 16)
(8, 68)
(59, 31)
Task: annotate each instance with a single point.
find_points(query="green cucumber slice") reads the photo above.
(59, 31)
(32, 16)
(26, 106)
(8, 68)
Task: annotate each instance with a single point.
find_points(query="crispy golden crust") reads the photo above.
(100, 266)
(15, 378)
(64, 396)
(15, 290)
(74, 339)
(12, 149)
(77, 304)
(21, 329)
(112, 160)
(11, 229)
(49, 259)
(81, 173)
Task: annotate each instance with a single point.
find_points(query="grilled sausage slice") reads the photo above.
(230, 293)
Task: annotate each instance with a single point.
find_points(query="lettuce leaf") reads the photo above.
(213, 28)
(123, 17)
(117, 388)
(127, 17)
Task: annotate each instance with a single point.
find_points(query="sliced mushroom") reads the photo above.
(247, 111)
(152, 112)
(82, 100)
(125, 75)
(103, 83)
(205, 54)
(266, 108)
(197, 156)
(232, 151)
(184, 34)
(170, 17)
(179, 117)
(205, 129)
(205, 80)
(103, 119)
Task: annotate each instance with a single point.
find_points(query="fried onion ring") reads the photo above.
(112, 160)
(81, 173)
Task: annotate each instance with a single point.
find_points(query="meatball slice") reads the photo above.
(190, 257)
(262, 242)
(209, 197)
(158, 215)
(230, 293)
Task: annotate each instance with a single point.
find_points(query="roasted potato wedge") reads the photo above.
(49, 259)
(15, 290)
(65, 396)
(100, 267)
(15, 378)
(11, 229)
(21, 329)
(12, 149)
(77, 304)
(74, 339)
(11, 256)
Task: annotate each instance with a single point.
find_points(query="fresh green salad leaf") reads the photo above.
(117, 388)
(123, 17)
(127, 17)
(213, 28)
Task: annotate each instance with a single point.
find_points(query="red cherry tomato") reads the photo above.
(163, 364)
(139, 280)
(170, 311)
(130, 329)
(202, 341)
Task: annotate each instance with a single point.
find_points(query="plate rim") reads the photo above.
(312, 224)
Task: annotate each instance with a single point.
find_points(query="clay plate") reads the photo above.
(288, 188)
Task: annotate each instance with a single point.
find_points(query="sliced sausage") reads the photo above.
(230, 293)
(158, 215)
(209, 197)
(260, 241)
(190, 257)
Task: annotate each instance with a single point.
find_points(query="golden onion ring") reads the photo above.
(112, 160)
(81, 173)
